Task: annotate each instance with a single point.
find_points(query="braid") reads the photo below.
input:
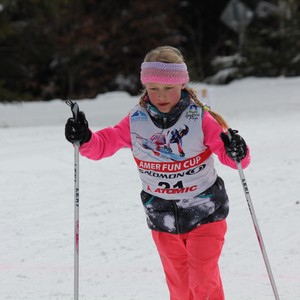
(221, 121)
(142, 98)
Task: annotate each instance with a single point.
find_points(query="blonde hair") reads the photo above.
(168, 54)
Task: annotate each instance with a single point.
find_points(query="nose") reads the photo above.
(161, 95)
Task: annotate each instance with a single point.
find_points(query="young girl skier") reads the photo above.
(172, 136)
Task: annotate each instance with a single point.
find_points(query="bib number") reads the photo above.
(166, 185)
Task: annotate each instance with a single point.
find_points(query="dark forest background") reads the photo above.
(80, 48)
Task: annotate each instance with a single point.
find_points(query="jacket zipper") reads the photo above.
(176, 216)
(173, 201)
(165, 123)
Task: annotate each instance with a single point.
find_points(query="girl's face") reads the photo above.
(164, 96)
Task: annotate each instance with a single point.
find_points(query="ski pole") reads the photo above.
(75, 109)
(256, 226)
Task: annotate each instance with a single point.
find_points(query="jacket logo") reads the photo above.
(193, 112)
(139, 116)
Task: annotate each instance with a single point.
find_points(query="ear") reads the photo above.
(183, 86)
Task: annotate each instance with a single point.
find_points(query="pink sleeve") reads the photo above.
(212, 130)
(108, 141)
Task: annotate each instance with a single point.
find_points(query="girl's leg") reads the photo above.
(204, 245)
(173, 255)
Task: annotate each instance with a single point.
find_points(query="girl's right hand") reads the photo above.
(78, 131)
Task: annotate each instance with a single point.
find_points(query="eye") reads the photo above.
(169, 88)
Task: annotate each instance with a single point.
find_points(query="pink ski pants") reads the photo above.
(190, 261)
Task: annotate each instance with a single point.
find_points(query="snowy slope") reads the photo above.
(118, 259)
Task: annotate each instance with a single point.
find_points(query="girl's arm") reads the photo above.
(212, 130)
(107, 141)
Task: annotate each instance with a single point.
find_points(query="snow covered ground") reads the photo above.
(118, 259)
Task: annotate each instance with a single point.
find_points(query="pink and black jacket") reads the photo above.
(174, 155)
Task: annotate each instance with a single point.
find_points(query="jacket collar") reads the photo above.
(166, 120)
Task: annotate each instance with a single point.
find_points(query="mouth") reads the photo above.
(163, 107)
(165, 104)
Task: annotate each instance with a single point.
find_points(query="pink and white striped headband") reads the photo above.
(165, 73)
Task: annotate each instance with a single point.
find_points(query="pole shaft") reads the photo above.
(257, 229)
(75, 110)
(76, 221)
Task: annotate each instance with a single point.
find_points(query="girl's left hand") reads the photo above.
(235, 145)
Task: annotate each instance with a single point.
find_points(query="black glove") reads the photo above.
(235, 145)
(78, 131)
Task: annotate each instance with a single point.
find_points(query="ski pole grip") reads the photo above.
(230, 138)
(74, 108)
(229, 134)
